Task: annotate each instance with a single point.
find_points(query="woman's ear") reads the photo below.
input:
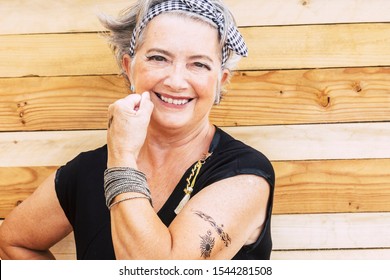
(126, 64)
(225, 76)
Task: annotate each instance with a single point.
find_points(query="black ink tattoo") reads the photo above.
(206, 245)
(219, 229)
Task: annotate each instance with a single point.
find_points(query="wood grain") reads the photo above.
(59, 17)
(301, 186)
(253, 98)
(306, 96)
(290, 142)
(273, 47)
(332, 186)
(331, 231)
(60, 103)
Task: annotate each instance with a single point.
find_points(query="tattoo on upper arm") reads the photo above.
(219, 229)
(206, 244)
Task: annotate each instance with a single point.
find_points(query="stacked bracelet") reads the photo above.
(118, 180)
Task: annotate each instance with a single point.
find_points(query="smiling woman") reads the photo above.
(169, 184)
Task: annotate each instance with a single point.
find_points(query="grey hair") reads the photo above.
(120, 30)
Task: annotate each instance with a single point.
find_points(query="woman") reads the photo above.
(169, 184)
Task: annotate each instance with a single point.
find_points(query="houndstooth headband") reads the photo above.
(234, 40)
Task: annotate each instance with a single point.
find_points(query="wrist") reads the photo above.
(114, 161)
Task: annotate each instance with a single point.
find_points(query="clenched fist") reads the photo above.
(128, 121)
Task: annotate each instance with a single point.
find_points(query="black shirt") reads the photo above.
(79, 187)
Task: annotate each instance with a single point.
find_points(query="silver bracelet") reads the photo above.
(118, 180)
(126, 199)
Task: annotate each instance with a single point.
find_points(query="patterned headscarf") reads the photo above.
(205, 8)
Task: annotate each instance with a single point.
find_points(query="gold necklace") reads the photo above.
(191, 182)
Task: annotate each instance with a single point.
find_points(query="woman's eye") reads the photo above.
(202, 65)
(157, 58)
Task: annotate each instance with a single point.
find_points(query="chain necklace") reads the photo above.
(191, 182)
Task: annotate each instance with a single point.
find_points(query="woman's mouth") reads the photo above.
(174, 101)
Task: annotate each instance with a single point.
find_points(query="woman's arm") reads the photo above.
(34, 226)
(214, 224)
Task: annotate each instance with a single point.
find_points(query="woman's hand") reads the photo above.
(128, 120)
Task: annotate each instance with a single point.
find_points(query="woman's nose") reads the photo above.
(176, 78)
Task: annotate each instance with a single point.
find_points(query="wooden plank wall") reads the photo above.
(314, 96)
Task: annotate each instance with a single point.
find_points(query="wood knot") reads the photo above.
(325, 101)
(21, 104)
(357, 86)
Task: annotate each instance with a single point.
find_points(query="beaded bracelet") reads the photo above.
(118, 180)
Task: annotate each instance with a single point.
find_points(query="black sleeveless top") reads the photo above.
(79, 187)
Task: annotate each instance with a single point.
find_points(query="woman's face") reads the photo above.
(179, 64)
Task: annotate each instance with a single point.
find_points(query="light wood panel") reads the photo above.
(80, 15)
(55, 55)
(326, 141)
(317, 46)
(68, 102)
(282, 47)
(331, 231)
(301, 186)
(332, 186)
(291, 142)
(40, 148)
(253, 98)
(306, 96)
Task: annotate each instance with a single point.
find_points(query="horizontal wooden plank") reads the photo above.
(301, 186)
(55, 55)
(338, 254)
(325, 141)
(306, 96)
(80, 16)
(332, 186)
(331, 231)
(253, 98)
(317, 46)
(275, 47)
(58, 103)
(40, 148)
(290, 142)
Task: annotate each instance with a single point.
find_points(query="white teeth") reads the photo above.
(174, 101)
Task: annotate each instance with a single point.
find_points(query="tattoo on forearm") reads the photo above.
(206, 244)
(219, 229)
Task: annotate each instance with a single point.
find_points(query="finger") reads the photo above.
(133, 102)
(146, 104)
